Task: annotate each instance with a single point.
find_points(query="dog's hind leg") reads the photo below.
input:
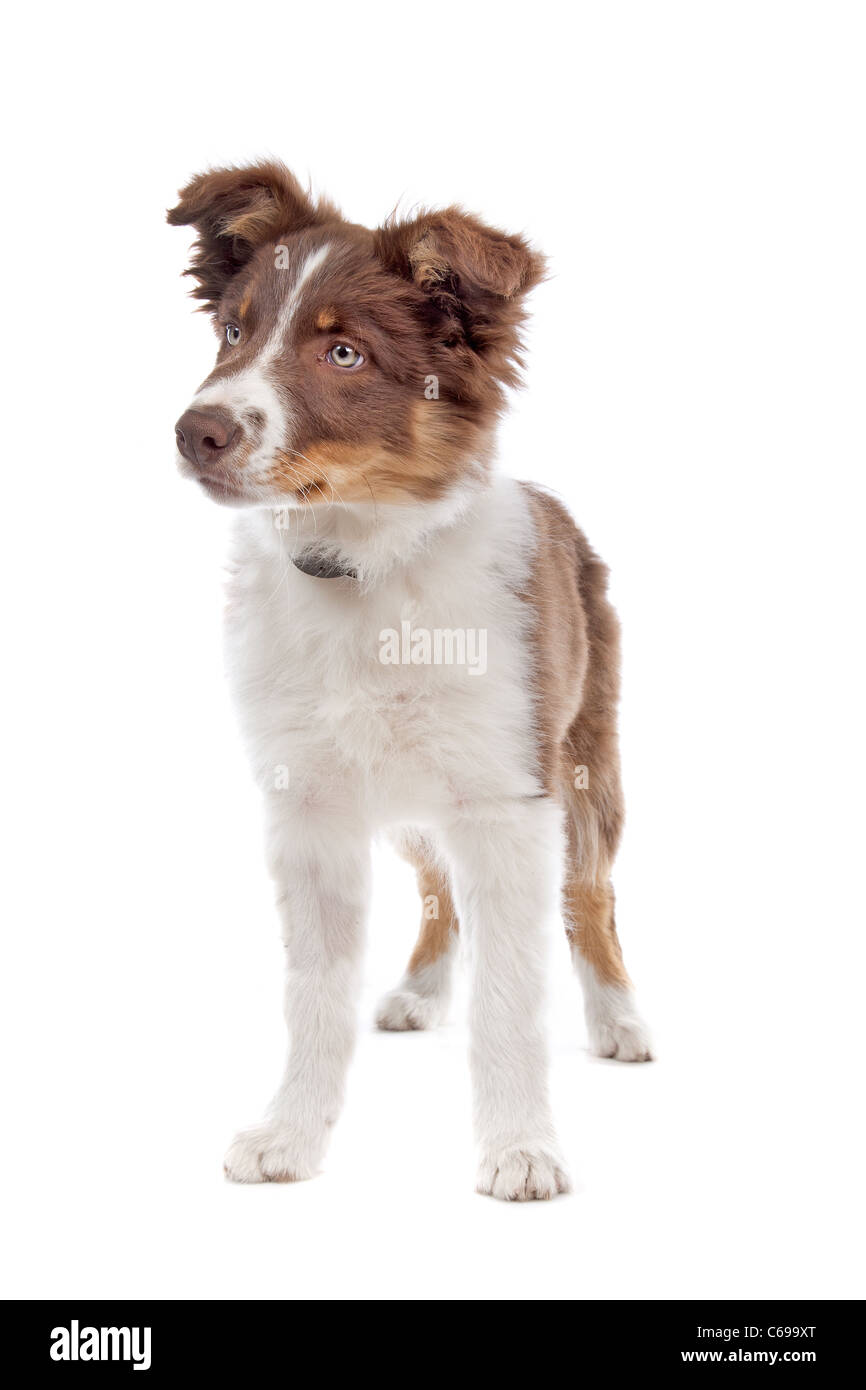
(593, 802)
(421, 998)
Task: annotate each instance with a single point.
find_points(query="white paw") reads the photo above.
(623, 1039)
(403, 1010)
(615, 1027)
(527, 1174)
(268, 1154)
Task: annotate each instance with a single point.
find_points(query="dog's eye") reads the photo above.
(341, 355)
(233, 334)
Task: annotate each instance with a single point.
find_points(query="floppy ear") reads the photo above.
(475, 276)
(236, 210)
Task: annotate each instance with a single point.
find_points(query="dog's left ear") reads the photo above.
(475, 276)
(236, 210)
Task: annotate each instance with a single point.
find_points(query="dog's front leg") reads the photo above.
(320, 861)
(505, 868)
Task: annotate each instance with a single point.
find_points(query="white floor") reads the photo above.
(726, 1169)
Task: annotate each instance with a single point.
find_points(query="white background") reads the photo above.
(695, 173)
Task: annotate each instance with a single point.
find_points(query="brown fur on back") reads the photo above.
(576, 681)
(576, 665)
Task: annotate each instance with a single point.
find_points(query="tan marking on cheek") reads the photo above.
(440, 451)
(328, 472)
(296, 475)
(325, 319)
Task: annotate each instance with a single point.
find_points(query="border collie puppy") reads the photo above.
(417, 646)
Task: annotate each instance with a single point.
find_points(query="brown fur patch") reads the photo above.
(558, 630)
(436, 933)
(476, 276)
(575, 642)
(589, 913)
(234, 211)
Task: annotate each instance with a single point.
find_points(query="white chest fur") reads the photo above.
(412, 688)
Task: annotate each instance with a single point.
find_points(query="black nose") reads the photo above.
(203, 436)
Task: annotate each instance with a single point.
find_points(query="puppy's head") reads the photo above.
(353, 365)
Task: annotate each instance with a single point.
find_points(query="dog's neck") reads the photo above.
(362, 542)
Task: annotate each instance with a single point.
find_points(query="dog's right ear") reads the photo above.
(236, 210)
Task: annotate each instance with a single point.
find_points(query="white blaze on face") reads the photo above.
(252, 391)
